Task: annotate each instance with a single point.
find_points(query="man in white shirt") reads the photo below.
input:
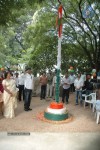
(49, 85)
(78, 83)
(21, 86)
(66, 88)
(28, 85)
(72, 79)
(16, 75)
(83, 77)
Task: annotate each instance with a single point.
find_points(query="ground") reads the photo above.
(83, 127)
(83, 119)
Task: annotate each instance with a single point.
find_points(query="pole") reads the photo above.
(59, 24)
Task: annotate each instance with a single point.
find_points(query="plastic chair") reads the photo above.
(91, 99)
(97, 107)
(98, 116)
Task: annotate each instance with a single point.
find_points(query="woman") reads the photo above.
(9, 95)
(1, 93)
(1, 86)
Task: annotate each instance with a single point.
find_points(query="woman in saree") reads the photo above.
(9, 96)
(1, 88)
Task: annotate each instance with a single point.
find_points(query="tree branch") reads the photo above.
(88, 26)
(59, 1)
(19, 43)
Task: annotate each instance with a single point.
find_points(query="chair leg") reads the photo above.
(93, 108)
(84, 104)
(95, 115)
(97, 118)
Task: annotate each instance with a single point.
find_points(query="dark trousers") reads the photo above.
(72, 88)
(21, 91)
(43, 91)
(27, 100)
(65, 93)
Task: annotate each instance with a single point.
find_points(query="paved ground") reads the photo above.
(51, 141)
(84, 120)
(82, 133)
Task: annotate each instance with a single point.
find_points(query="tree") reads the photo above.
(44, 39)
(12, 45)
(36, 39)
(9, 9)
(84, 31)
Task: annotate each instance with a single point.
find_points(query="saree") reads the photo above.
(10, 102)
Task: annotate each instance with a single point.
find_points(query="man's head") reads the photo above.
(28, 70)
(79, 75)
(66, 75)
(44, 74)
(88, 76)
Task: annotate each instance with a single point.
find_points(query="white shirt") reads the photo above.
(83, 77)
(54, 81)
(66, 80)
(78, 83)
(21, 79)
(72, 78)
(28, 82)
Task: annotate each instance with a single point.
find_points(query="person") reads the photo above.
(16, 78)
(66, 88)
(88, 85)
(83, 76)
(28, 87)
(1, 86)
(98, 76)
(54, 85)
(21, 86)
(78, 83)
(43, 82)
(1, 89)
(49, 85)
(72, 79)
(9, 95)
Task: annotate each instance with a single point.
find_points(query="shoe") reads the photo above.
(26, 109)
(76, 104)
(29, 109)
(86, 104)
(66, 102)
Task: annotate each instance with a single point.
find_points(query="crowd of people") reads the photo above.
(15, 87)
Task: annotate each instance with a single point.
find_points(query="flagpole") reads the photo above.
(59, 24)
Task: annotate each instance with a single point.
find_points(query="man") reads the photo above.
(88, 85)
(78, 83)
(54, 85)
(66, 88)
(49, 85)
(21, 86)
(72, 79)
(16, 78)
(43, 82)
(28, 85)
